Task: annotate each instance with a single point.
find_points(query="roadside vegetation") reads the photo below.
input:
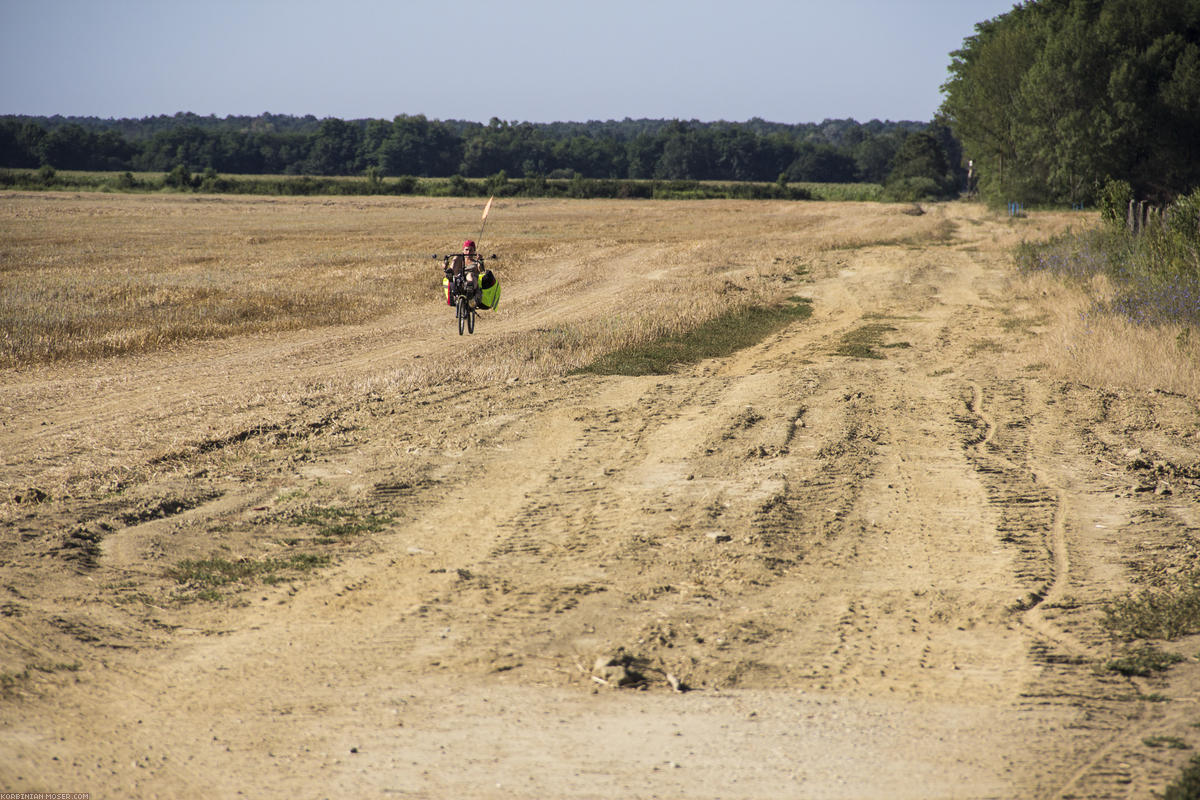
(499, 185)
(1130, 303)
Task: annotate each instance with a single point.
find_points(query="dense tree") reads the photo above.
(69, 147)
(1055, 97)
(921, 170)
(873, 156)
(642, 153)
(417, 146)
(335, 149)
(835, 150)
(822, 163)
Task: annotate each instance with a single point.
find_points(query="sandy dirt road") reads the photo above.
(791, 572)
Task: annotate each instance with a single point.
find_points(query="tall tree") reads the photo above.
(981, 95)
(1055, 97)
(335, 149)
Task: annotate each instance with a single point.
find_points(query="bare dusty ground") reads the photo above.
(792, 572)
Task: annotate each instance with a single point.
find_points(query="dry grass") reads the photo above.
(1107, 350)
(85, 276)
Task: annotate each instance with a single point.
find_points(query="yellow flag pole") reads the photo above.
(486, 209)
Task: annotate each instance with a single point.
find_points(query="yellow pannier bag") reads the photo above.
(489, 286)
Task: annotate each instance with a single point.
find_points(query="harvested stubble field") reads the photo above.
(271, 526)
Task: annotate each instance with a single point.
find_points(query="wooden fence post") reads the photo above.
(1129, 226)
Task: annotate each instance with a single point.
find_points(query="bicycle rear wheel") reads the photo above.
(470, 319)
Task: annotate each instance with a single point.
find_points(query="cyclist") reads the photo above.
(470, 263)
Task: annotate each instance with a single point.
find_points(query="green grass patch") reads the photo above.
(206, 575)
(333, 523)
(718, 337)
(1167, 611)
(1143, 662)
(862, 342)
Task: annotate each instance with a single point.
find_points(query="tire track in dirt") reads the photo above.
(1132, 709)
(1032, 512)
(1068, 648)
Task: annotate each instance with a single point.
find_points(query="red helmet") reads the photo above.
(468, 243)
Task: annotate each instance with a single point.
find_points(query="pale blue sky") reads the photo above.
(519, 60)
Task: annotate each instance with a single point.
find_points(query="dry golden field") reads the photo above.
(271, 526)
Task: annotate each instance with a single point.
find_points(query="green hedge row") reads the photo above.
(209, 182)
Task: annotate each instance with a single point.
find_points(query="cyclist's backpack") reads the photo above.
(489, 286)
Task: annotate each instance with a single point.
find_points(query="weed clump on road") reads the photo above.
(1143, 662)
(1163, 612)
(203, 577)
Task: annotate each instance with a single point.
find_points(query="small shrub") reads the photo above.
(1143, 662)
(9, 681)
(1165, 612)
(1182, 218)
(498, 184)
(1114, 201)
(1155, 277)
(405, 184)
(178, 178)
(912, 189)
(1188, 785)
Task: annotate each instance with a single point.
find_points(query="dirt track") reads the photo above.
(871, 577)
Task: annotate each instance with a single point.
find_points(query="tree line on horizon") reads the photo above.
(1056, 101)
(925, 157)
